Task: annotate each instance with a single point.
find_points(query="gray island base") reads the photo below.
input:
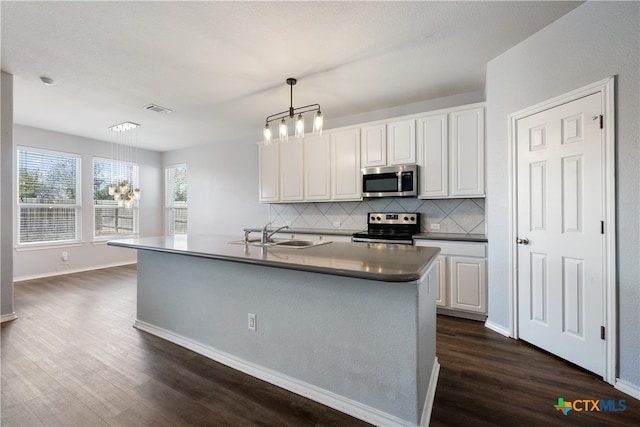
(349, 325)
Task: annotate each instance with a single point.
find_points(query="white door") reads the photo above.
(559, 213)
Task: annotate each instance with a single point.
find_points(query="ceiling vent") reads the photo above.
(157, 108)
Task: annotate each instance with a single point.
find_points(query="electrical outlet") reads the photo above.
(252, 322)
(336, 224)
(65, 256)
(434, 226)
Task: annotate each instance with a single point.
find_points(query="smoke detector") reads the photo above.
(157, 109)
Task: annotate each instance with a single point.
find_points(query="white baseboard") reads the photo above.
(71, 271)
(497, 328)
(628, 388)
(8, 317)
(310, 391)
(431, 394)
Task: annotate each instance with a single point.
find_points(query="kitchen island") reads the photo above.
(350, 325)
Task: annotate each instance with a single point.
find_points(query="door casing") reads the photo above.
(606, 89)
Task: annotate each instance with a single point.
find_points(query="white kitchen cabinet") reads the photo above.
(401, 142)
(291, 177)
(374, 146)
(451, 153)
(467, 284)
(317, 168)
(440, 278)
(346, 181)
(460, 277)
(433, 156)
(269, 172)
(467, 152)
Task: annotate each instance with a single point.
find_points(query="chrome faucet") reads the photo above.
(266, 235)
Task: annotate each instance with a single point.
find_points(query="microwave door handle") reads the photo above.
(399, 175)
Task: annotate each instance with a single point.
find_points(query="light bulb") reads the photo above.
(117, 195)
(120, 203)
(284, 132)
(317, 123)
(112, 189)
(124, 187)
(267, 134)
(136, 194)
(300, 126)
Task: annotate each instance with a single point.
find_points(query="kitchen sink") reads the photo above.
(285, 243)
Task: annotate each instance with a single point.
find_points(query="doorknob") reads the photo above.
(524, 241)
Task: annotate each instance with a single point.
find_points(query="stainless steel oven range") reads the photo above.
(390, 227)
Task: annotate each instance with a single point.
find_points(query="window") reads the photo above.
(110, 218)
(48, 196)
(176, 199)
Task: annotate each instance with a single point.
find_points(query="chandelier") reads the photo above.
(124, 152)
(299, 122)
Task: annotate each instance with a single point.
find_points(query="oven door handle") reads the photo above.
(368, 240)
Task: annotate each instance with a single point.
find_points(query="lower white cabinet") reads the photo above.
(460, 275)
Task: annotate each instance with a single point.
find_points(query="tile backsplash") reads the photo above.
(453, 215)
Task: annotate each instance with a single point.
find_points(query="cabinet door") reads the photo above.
(374, 146)
(440, 273)
(401, 142)
(317, 167)
(468, 284)
(467, 153)
(433, 152)
(346, 178)
(291, 186)
(269, 172)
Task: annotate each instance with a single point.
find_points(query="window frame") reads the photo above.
(19, 205)
(169, 202)
(135, 209)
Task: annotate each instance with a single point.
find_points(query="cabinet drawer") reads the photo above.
(473, 249)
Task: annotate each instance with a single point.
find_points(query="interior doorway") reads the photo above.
(563, 227)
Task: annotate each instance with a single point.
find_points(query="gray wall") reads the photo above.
(90, 254)
(593, 42)
(6, 210)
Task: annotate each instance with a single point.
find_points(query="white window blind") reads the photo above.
(48, 196)
(109, 219)
(176, 199)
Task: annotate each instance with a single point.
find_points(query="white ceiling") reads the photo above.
(221, 66)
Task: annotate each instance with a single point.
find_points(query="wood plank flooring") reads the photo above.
(73, 359)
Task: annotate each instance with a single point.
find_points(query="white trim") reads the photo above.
(310, 391)
(24, 247)
(425, 419)
(628, 388)
(606, 88)
(75, 270)
(497, 328)
(8, 317)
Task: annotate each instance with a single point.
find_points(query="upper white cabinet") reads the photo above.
(451, 153)
(401, 142)
(317, 168)
(346, 180)
(467, 152)
(374, 146)
(269, 171)
(433, 152)
(291, 181)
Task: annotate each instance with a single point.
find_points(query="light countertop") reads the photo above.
(372, 261)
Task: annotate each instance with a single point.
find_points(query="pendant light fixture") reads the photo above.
(124, 149)
(283, 129)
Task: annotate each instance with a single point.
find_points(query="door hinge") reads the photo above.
(601, 227)
(601, 120)
(601, 332)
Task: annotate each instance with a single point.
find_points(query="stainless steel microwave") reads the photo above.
(390, 181)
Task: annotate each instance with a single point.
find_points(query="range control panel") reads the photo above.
(394, 218)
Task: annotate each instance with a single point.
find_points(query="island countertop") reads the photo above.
(372, 261)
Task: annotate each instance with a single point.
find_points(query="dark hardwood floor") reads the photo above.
(73, 359)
